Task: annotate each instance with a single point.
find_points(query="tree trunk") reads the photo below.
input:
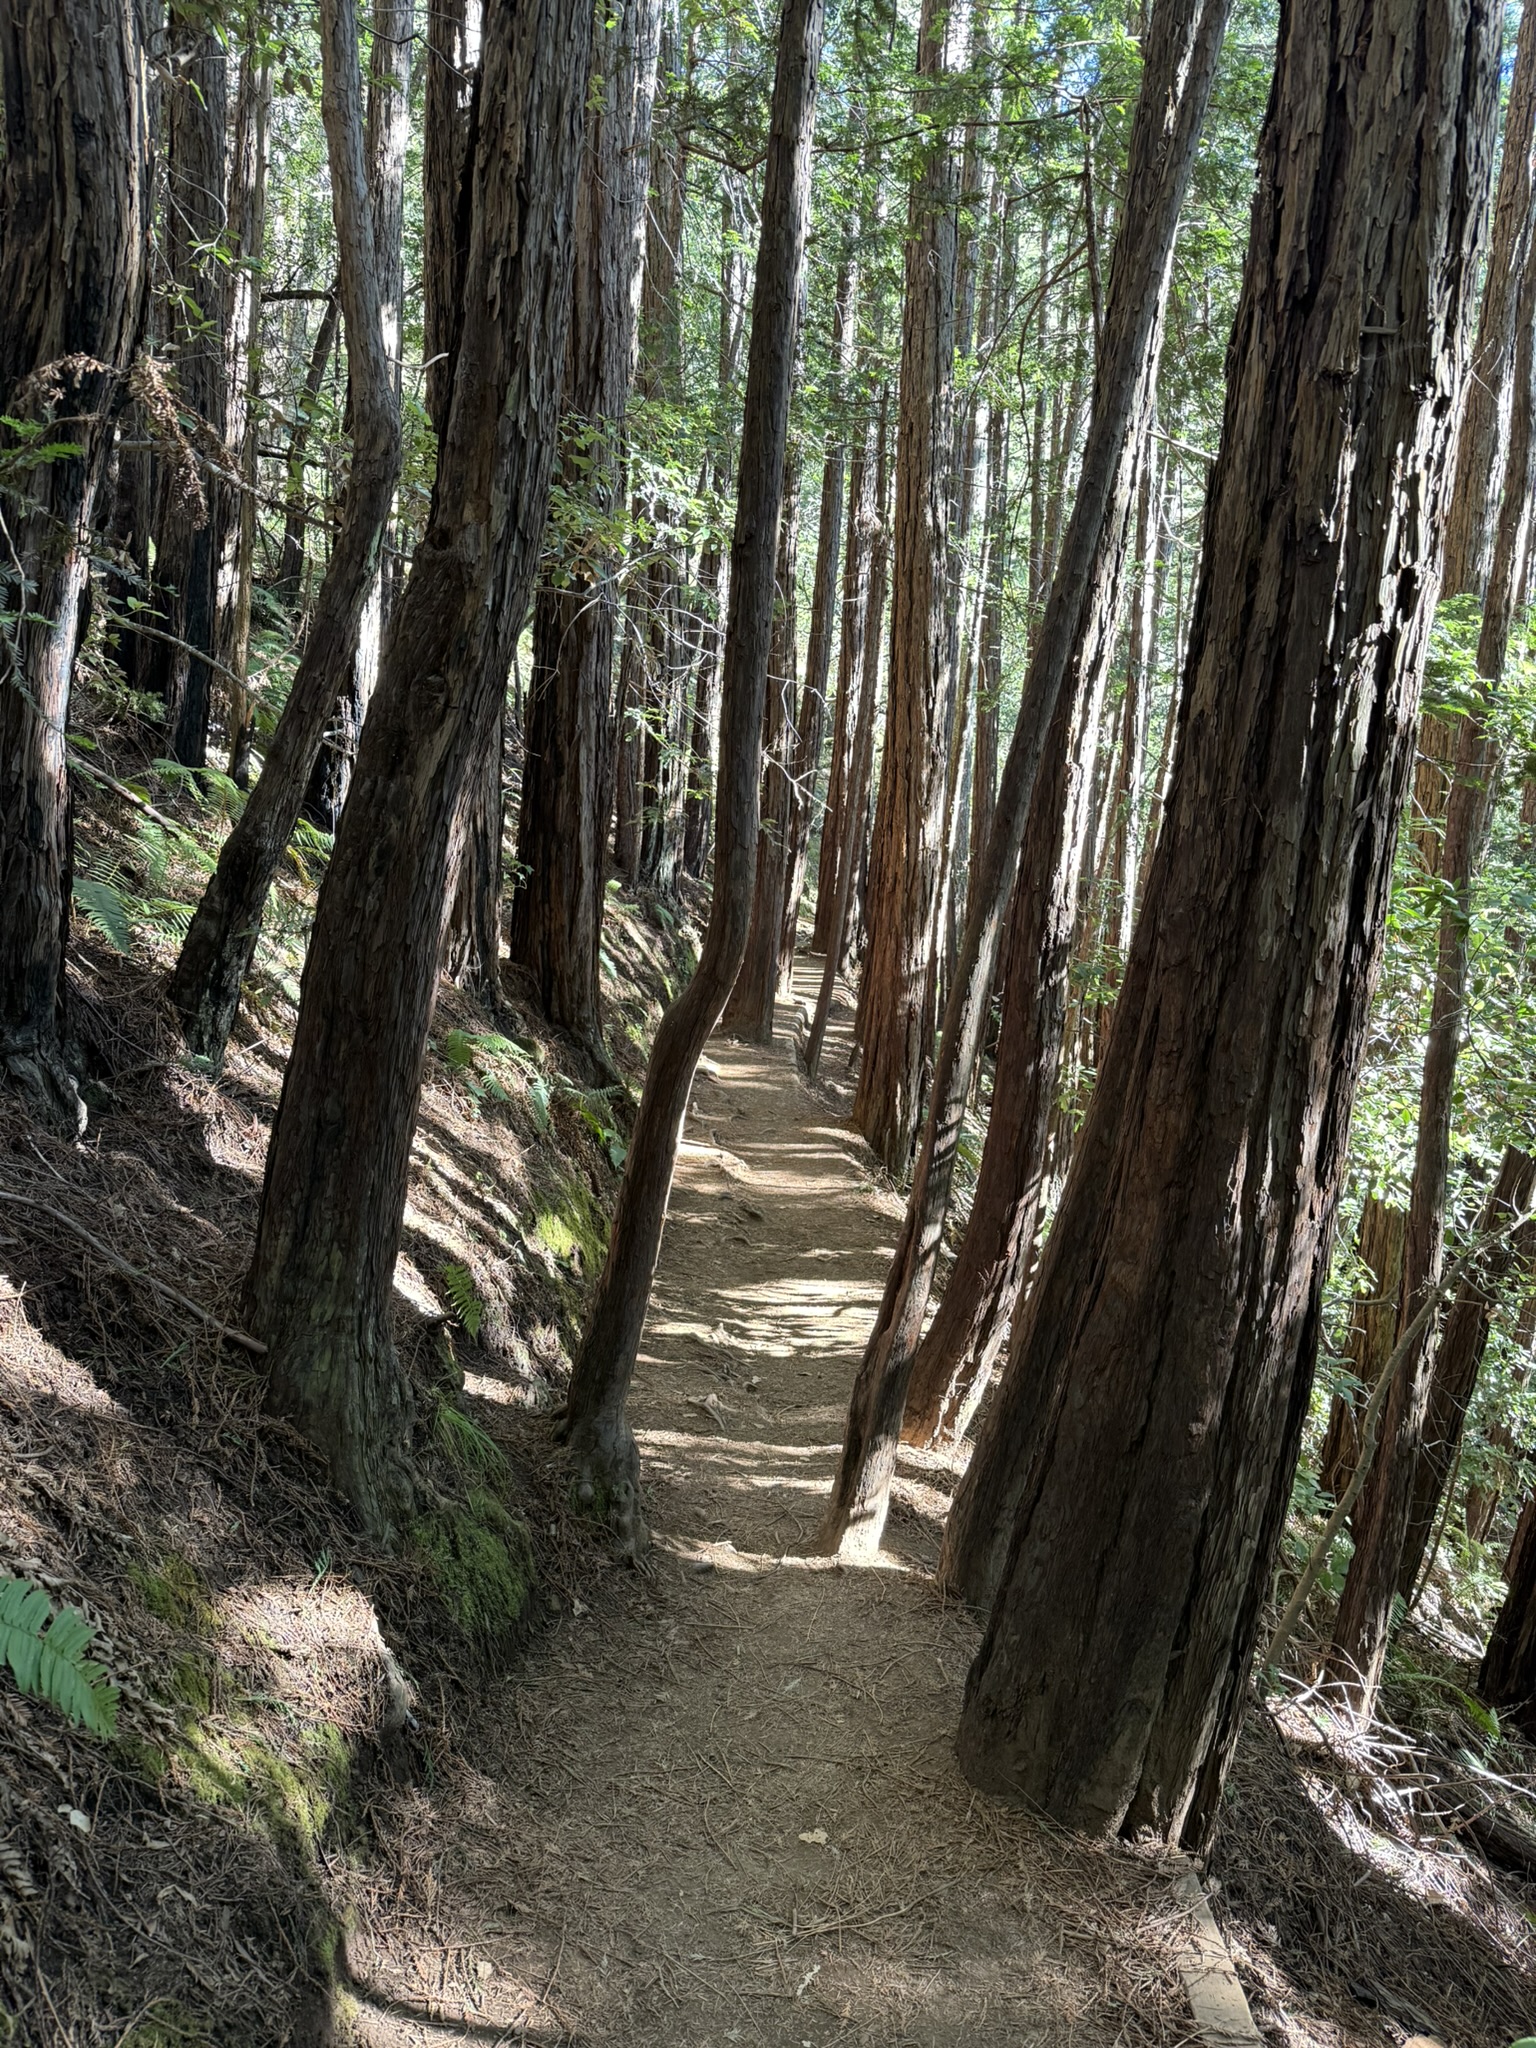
(1075, 640)
(1372, 1335)
(810, 726)
(1363, 1622)
(749, 1009)
(603, 1450)
(562, 827)
(1482, 451)
(318, 1292)
(894, 997)
(1459, 1356)
(1507, 1677)
(472, 945)
(75, 198)
(243, 252)
(290, 573)
(698, 799)
(385, 137)
(1132, 1477)
(221, 940)
(663, 746)
(955, 1359)
(192, 511)
(861, 657)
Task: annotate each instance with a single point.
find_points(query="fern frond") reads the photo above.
(46, 1652)
(102, 906)
(459, 1286)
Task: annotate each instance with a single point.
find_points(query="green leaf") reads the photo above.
(101, 905)
(46, 1653)
(459, 1286)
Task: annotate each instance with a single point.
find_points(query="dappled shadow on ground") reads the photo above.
(721, 1805)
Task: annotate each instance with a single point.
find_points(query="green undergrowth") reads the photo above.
(568, 1219)
(167, 2024)
(479, 1558)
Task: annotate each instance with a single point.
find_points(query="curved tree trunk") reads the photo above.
(1459, 1355)
(1132, 1477)
(319, 1288)
(1074, 645)
(221, 940)
(602, 1446)
(385, 137)
(557, 910)
(75, 198)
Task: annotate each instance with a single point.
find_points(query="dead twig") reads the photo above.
(120, 1265)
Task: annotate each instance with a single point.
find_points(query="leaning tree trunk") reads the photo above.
(74, 197)
(895, 1020)
(958, 1352)
(320, 1282)
(221, 940)
(385, 137)
(290, 574)
(1372, 1336)
(1132, 1478)
(328, 1235)
(1459, 1356)
(603, 1450)
(1363, 1622)
(557, 910)
(189, 523)
(1184, 39)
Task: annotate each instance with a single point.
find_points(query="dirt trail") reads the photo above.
(720, 1802)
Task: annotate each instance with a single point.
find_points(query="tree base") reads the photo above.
(605, 1480)
(49, 1090)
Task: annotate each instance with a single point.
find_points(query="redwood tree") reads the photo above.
(319, 1288)
(1183, 41)
(562, 828)
(189, 523)
(603, 1451)
(1131, 1481)
(221, 940)
(74, 198)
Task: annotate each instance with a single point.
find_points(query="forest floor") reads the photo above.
(710, 1799)
(719, 1802)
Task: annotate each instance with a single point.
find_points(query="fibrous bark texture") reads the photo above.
(895, 998)
(1132, 1477)
(221, 940)
(318, 1292)
(192, 512)
(602, 1445)
(1069, 658)
(1372, 1334)
(74, 198)
(557, 910)
(1362, 1624)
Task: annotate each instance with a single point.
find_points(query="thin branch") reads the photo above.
(120, 1265)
